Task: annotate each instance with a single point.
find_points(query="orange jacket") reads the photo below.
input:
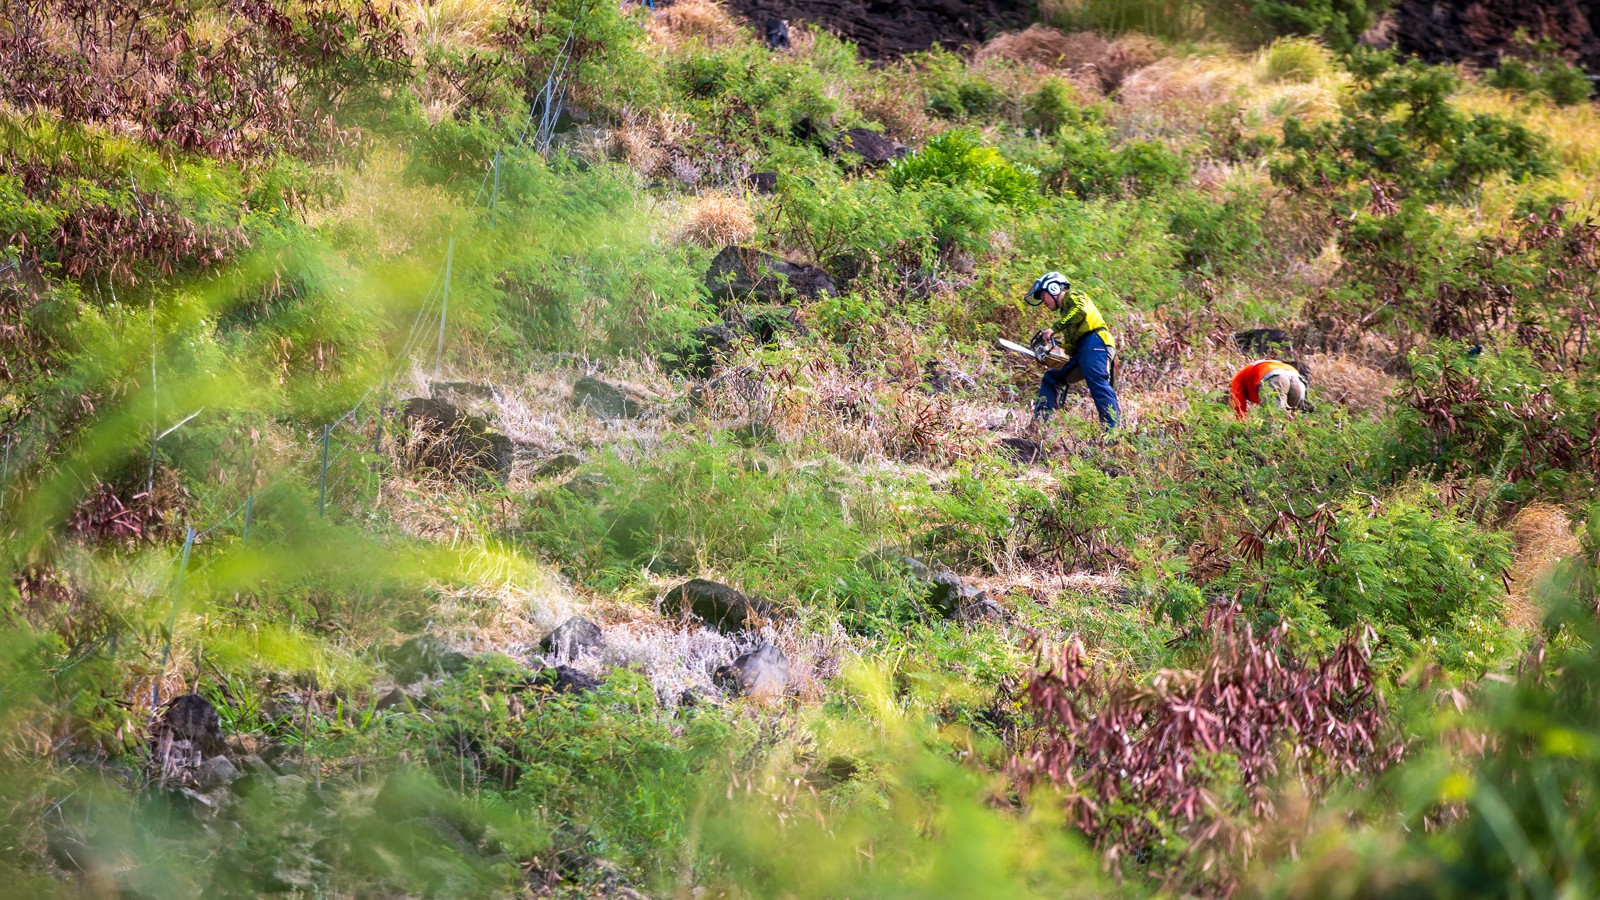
(1246, 388)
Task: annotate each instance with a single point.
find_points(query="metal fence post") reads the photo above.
(172, 618)
(322, 488)
(444, 308)
(5, 473)
(494, 196)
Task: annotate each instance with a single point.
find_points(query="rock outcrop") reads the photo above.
(717, 605)
(762, 673)
(605, 400)
(575, 636)
(743, 274)
(885, 29)
(453, 442)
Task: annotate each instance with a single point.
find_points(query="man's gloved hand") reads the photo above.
(1041, 344)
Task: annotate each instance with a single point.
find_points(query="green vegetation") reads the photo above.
(249, 249)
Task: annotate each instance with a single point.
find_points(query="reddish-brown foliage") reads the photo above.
(274, 78)
(1457, 403)
(1538, 278)
(1135, 760)
(117, 513)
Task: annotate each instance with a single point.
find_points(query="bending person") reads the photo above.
(1275, 377)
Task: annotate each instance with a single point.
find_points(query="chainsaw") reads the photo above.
(1041, 352)
(1049, 355)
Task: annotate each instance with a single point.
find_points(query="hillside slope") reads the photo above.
(541, 449)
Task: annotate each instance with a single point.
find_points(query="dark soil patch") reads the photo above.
(884, 29)
(1484, 30)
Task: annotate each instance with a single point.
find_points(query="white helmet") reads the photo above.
(1054, 282)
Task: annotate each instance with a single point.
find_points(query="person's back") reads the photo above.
(1276, 375)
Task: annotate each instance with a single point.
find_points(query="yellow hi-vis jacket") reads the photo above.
(1079, 317)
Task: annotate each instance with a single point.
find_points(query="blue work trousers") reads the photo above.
(1091, 364)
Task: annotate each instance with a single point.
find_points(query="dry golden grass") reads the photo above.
(701, 22)
(1042, 45)
(1193, 82)
(717, 220)
(1543, 536)
(455, 24)
(1095, 63)
(1220, 178)
(1172, 97)
(1126, 55)
(1295, 59)
(1343, 379)
(651, 142)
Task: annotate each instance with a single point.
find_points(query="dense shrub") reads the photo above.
(1397, 136)
(1411, 568)
(856, 221)
(1091, 523)
(279, 74)
(1088, 164)
(1051, 105)
(1456, 822)
(713, 505)
(959, 159)
(1339, 22)
(1560, 81)
(1501, 415)
(953, 89)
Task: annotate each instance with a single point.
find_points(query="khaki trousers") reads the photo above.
(1289, 388)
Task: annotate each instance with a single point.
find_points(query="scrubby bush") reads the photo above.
(953, 90)
(1339, 22)
(979, 519)
(1398, 130)
(1082, 239)
(1087, 163)
(852, 221)
(1560, 81)
(1091, 523)
(1050, 106)
(959, 159)
(1217, 237)
(1410, 567)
